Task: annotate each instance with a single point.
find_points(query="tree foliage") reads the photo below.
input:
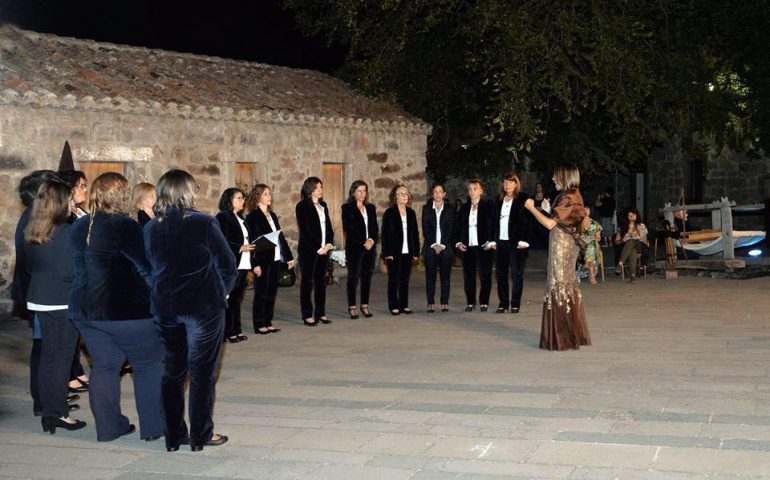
(597, 82)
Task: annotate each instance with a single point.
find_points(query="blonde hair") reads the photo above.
(109, 193)
(568, 176)
(141, 192)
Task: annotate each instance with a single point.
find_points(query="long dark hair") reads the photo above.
(256, 192)
(623, 223)
(50, 209)
(308, 186)
(226, 200)
(353, 187)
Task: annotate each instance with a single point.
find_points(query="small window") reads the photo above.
(244, 176)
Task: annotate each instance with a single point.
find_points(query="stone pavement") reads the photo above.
(676, 386)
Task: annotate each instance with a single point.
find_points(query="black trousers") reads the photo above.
(59, 337)
(233, 311)
(510, 258)
(360, 270)
(192, 345)
(34, 374)
(477, 260)
(76, 369)
(313, 268)
(399, 270)
(265, 290)
(442, 264)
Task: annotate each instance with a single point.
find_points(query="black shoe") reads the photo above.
(431, 309)
(310, 324)
(484, 308)
(324, 320)
(73, 407)
(131, 429)
(211, 443)
(352, 311)
(50, 424)
(273, 330)
(501, 309)
(366, 312)
(233, 339)
(514, 309)
(242, 337)
(174, 448)
(406, 311)
(395, 312)
(470, 308)
(445, 308)
(82, 388)
(266, 331)
(73, 398)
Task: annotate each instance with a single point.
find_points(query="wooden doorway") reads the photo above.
(94, 169)
(334, 196)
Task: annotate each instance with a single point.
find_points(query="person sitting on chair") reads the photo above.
(632, 234)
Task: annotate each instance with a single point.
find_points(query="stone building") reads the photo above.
(140, 112)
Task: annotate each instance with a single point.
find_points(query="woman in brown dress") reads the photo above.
(564, 324)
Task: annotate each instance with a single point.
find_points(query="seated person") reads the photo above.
(632, 235)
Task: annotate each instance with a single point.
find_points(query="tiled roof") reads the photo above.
(46, 70)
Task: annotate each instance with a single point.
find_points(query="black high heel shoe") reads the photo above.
(324, 320)
(82, 388)
(366, 312)
(352, 312)
(309, 324)
(470, 308)
(211, 443)
(50, 424)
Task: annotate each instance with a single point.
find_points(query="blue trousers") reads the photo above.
(193, 344)
(111, 343)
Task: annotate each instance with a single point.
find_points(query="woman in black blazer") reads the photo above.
(474, 238)
(400, 248)
(48, 262)
(437, 223)
(359, 222)
(230, 218)
(266, 264)
(316, 240)
(511, 237)
(110, 305)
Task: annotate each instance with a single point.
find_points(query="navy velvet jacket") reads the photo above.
(20, 275)
(111, 274)
(193, 268)
(50, 269)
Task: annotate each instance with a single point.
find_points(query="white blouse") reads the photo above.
(505, 216)
(245, 262)
(473, 230)
(270, 222)
(438, 211)
(366, 221)
(405, 243)
(322, 219)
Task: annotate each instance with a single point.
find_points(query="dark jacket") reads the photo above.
(143, 218)
(356, 233)
(231, 229)
(193, 268)
(393, 234)
(50, 269)
(258, 225)
(111, 274)
(20, 275)
(518, 222)
(485, 227)
(447, 221)
(310, 226)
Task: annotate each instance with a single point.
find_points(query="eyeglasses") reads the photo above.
(81, 186)
(239, 198)
(402, 194)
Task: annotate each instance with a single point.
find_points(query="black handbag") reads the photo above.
(287, 277)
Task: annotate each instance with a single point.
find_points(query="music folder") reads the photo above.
(266, 241)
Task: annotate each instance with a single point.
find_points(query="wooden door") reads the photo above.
(334, 195)
(94, 169)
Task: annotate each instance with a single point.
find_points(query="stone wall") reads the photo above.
(284, 155)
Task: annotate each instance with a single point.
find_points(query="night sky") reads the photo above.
(254, 30)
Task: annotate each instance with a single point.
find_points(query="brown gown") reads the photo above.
(564, 323)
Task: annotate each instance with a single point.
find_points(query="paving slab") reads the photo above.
(676, 386)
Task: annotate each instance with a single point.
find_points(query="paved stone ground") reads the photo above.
(676, 386)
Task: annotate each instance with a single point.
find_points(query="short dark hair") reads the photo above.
(353, 187)
(226, 200)
(308, 186)
(30, 184)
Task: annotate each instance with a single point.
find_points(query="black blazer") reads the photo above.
(310, 226)
(518, 222)
(485, 226)
(143, 218)
(20, 275)
(447, 221)
(112, 274)
(257, 223)
(354, 227)
(193, 267)
(393, 234)
(50, 268)
(231, 229)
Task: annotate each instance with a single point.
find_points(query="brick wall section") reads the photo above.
(32, 138)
